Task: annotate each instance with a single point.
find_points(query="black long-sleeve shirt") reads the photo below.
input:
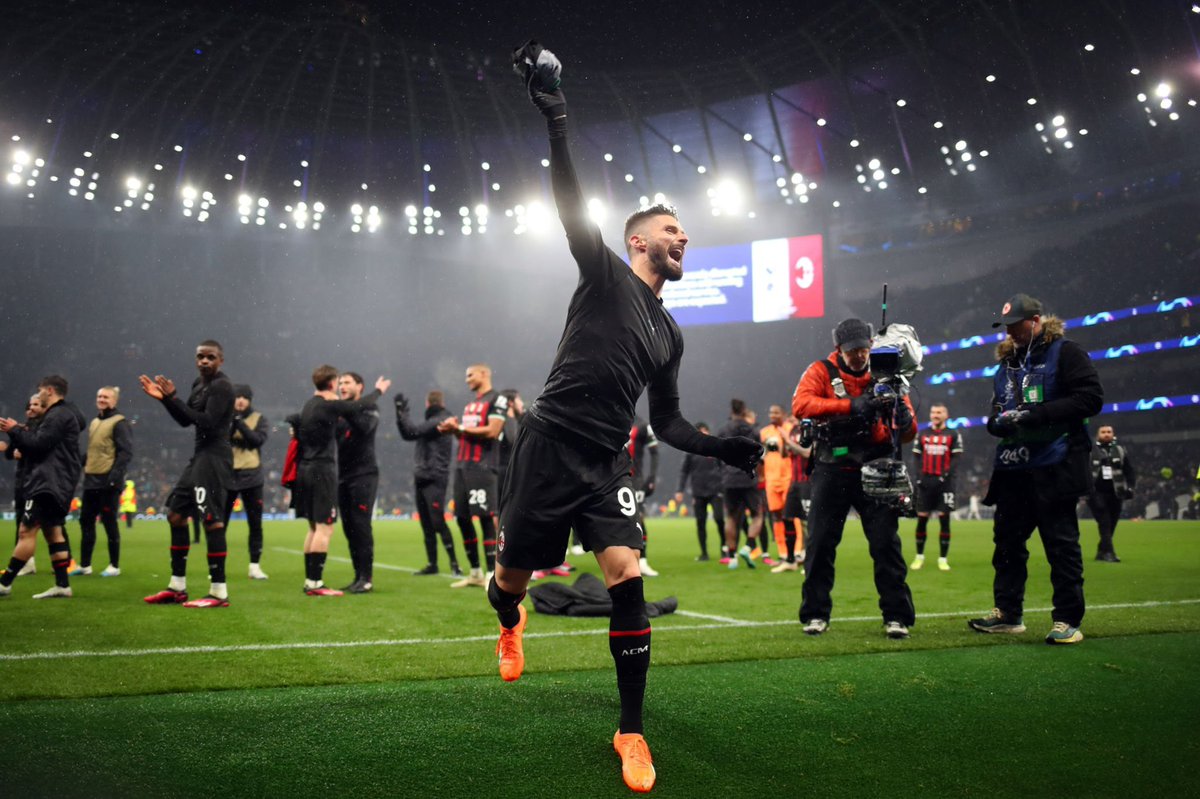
(618, 340)
(356, 444)
(209, 408)
(431, 460)
(51, 452)
(318, 425)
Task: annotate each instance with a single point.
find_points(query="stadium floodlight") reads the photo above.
(432, 187)
(675, 148)
(777, 158)
(481, 211)
(241, 156)
(178, 148)
(485, 166)
(114, 136)
(410, 210)
(854, 142)
(1135, 71)
(608, 156)
(726, 198)
(821, 122)
(701, 169)
(1089, 47)
(427, 167)
(495, 187)
(660, 198)
(901, 103)
(596, 211)
(938, 124)
(750, 136)
(545, 162)
(628, 178)
(14, 179)
(1031, 101)
(990, 78)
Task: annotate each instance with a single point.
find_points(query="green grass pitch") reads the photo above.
(395, 693)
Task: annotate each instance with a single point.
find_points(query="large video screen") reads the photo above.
(760, 281)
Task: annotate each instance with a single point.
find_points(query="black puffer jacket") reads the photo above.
(431, 461)
(52, 453)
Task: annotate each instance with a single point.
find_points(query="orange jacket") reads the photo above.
(814, 399)
(777, 465)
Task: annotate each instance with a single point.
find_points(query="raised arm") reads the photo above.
(216, 407)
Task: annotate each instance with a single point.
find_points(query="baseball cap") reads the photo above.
(1018, 308)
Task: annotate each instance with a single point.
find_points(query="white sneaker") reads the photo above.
(110, 571)
(80, 570)
(474, 578)
(577, 549)
(943, 564)
(917, 563)
(256, 572)
(5, 590)
(894, 629)
(645, 568)
(784, 566)
(53, 592)
(30, 567)
(816, 627)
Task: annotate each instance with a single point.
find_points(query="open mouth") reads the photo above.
(675, 254)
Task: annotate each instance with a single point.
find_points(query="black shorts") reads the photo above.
(743, 500)
(43, 511)
(796, 504)
(315, 494)
(934, 496)
(201, 491)
(476, 491)
(553, 487)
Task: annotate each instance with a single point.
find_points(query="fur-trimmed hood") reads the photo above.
(1052, 329)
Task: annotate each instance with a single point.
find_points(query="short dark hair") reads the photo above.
(355, 376)
(208, 342)
(645, 212)
(737, 406)
(324, 376)
(510, 394)
(436, 398)
(702, 426)
(56, 382)
(942, 405)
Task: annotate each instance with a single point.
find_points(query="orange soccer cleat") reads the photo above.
(637, 767)
(510, 649)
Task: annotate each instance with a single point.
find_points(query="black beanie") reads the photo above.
(243, 390)
(852, 334)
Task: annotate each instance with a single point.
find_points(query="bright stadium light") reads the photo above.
(596, 211)
(726, 198)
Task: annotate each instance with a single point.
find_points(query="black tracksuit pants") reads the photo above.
(431, 509)
(1018, 512)
(356, 501)
(834, 491)
(100, 502)
(252, 504)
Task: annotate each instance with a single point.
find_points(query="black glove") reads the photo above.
(401, 402)
(648, 489)
(741, 453)
(1008, 421)
(903, 415)
(542, 72)
(863, 406)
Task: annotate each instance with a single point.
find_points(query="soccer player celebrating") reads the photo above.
(475, 475)
(938, 448)
(201, 489)
(315, 496)
(51, 455)
(33, 415)
(358, 481)
(569, 468)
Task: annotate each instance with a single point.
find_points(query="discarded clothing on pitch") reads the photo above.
(587, 597)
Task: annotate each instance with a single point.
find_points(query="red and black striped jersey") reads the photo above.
(937, 449)
(641, 438)
(481, 452)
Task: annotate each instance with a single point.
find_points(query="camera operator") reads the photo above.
(853, 425)
(1114, 477)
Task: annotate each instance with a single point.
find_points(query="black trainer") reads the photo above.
(429, 569)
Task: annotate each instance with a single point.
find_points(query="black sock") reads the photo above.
(488, 525)
(922, 527)
(319, 565)
(789, 540)
(702, 535)
(179, 550)
(506, 604)
(216, 555)
(944, 536)
(431, 548)
(470, 542)
(15, 565)
(311, 570)
(60, 569)
(629, 642)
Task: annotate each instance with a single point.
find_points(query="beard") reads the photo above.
(664, 266)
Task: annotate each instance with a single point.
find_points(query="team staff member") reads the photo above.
(1114, 479)
(109, 451)
(431, 474)
(742, 495)
(838, 392)
(569, 468)
(315, 495)
(777, 474)
(704, 473)
(937, 449)
(52, 454)
(795, 505)
(1043, 393)
(358, 481)
(475, 472)
(200, 491)
(641, 441)
(250, 431)
(33, 413)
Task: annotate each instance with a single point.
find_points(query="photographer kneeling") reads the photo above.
(852, 426)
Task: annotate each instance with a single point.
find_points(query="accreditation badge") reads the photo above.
(1033, 390)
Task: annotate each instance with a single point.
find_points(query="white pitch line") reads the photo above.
(710, 617)
(192, 650)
